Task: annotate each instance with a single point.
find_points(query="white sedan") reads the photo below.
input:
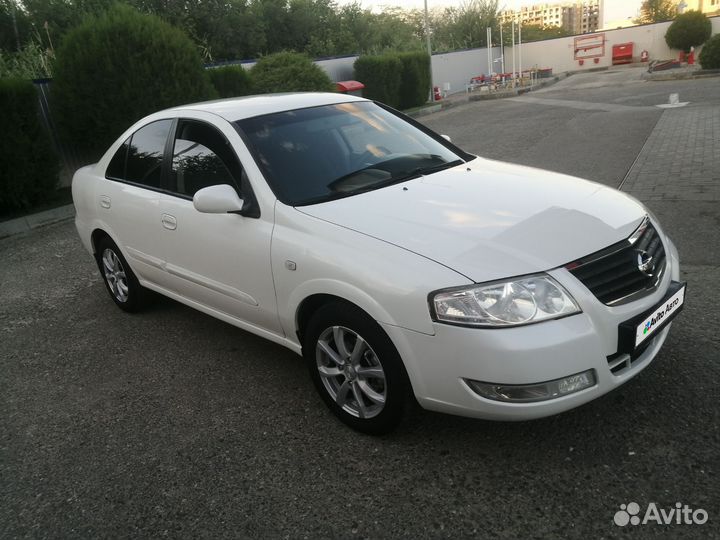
(397, 264)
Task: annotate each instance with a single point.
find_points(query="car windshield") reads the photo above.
(323, 153)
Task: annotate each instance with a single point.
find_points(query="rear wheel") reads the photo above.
(120, 281)
(356, 368)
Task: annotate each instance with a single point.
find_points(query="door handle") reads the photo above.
(169, 222)
(104, 201)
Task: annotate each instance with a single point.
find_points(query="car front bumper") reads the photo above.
(440, 365)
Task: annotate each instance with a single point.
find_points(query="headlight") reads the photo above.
(513, 302)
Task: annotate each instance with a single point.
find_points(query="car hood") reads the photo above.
(489, 220)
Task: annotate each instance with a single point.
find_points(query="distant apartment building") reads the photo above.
(708, 7)
(575, 17)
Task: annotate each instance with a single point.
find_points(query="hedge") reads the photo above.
(382, 77)
(230, 81)
(29, 166)
(710, 54)
(289, 72)
(401, 80)
(116, 68)
(415, 83)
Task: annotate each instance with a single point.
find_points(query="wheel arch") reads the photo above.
(96, 236)
(306, 301)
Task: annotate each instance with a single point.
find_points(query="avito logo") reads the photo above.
(660, 314)
(681, 514)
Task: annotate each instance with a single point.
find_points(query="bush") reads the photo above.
(289, 72)
(688, 30)
(116, 68)
(230, 81)
(382, 77)
(710, 54)
(28, 164)
(415, 79)
(401, 80)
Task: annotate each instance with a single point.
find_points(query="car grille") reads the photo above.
(614, 275)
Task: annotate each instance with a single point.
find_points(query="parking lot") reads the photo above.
(171, 423)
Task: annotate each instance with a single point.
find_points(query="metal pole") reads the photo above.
(429, 51)
(502, 53)
(487, 49)
(520, 49)
(513, 53)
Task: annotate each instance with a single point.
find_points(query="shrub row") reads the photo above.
(280, 72)
(401, 80)
(28, 165)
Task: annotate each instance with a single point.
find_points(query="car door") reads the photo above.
(129, 199)
(221, 261)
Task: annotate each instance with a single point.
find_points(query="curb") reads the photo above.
(35, 221)
(460, 99)
(672, 75)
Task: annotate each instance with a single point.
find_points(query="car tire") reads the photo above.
(363, 382)
(120, 281)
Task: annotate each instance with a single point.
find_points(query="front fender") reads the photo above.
(311, 256)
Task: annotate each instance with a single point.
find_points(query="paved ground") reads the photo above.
(171, 423)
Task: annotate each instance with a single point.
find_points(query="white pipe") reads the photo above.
(520, 49)
(513, 53)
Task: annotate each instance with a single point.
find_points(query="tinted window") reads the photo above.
(144, 160)
(320, 153)
(202, 157)
(116, 169)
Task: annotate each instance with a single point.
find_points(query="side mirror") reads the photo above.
(220, 199)
(446, 137)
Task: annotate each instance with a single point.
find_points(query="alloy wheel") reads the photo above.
(351, 372)
(115, 275)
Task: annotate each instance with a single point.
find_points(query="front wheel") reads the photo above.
(356, 369)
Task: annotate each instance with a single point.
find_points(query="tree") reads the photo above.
(14, 26)
(116, 68)
(688, 30)
(654, 11)
(537, 32)
(464, 26)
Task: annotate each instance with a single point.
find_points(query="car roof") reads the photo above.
(246, 107)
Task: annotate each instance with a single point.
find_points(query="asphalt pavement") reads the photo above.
(172, 424)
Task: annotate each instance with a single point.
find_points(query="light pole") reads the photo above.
(502, 54)
(429, 50)
(488, 45)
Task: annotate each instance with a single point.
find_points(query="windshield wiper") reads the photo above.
(422, 171)
(414, 173)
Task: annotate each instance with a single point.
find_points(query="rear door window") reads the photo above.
(144, 155)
